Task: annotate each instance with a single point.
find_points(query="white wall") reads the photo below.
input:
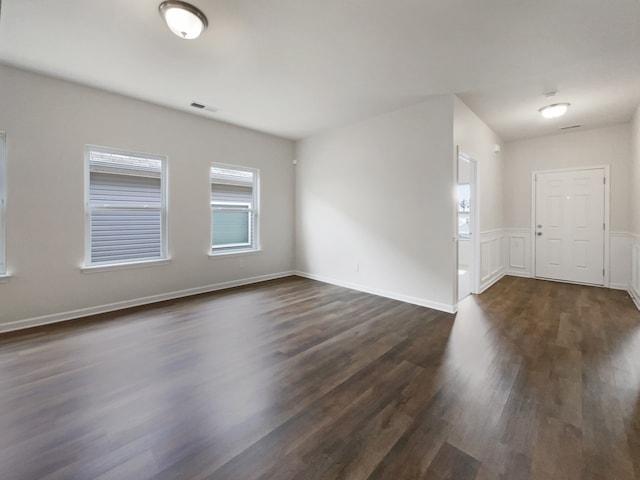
(603, 146)
(634, 175)
(475, 139)
(48, 122)
(634, 213)
(375, 204)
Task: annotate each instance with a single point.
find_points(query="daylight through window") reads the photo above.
(3, 188)
(233, 208)
(126, 207)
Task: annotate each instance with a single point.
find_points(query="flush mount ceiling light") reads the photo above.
(555, 110)
(183, 19)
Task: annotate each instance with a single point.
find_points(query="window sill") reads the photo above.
(124, 266)
(248, 251)
(4, 278)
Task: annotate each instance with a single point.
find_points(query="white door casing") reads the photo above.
(466, 173)
(570, 225)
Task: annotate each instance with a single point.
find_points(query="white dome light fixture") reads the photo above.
(554, 111)
(183, 19)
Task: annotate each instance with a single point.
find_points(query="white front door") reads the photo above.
(569, 226)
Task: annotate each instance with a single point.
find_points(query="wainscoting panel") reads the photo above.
(620, 260)
(519, 254)
(495, 256)
(634, 287)
(485, 258)
(492, 257)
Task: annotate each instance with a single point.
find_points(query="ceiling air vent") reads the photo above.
(570, 127)
(200, 106)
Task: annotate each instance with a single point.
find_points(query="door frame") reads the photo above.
(474, 223)
(607, 221)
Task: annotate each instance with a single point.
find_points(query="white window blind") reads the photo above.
(3, 198)
(126, 207)
(233, 208)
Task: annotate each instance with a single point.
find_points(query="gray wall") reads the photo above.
(634, 177)
(477, 140)
(375, 205)
(602, 146)
(48, 122)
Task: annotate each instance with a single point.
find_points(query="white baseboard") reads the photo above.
(515, 273)
(491, 282)
(635, 296)
(619, 286)
(136, 302)
(381, 293)
(634, 284)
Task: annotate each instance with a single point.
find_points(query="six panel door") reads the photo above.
(569, 226)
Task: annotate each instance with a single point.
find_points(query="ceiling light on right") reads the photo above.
(554, 111)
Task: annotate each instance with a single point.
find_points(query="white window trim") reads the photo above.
(3, 211)
(254, 225)
(249, 251)
(107, 266)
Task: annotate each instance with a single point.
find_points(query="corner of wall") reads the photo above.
(493, 256)
(340, 173)
(634, 220)
(475, 139)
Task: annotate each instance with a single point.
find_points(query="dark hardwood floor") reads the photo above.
(295, 379)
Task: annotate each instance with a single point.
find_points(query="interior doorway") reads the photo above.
(570, 225)
(466, 224)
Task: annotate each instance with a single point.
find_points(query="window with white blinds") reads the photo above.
(3, 189)
(234, 193)
(126, 207)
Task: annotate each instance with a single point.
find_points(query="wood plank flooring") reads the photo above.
(295, 379)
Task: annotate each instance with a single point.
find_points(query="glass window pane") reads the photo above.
(464, 197)
(233, 207)
(125, 235)
(3, 266)
(463, 225)
(129, 190)
(230, 228)
(126, 200)
(127, 164)
(231, 176)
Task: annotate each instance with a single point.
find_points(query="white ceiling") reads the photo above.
(296, 67)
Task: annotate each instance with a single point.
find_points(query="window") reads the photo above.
(233, 208)
(126, 207)
(464, 210)
(3, 188)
